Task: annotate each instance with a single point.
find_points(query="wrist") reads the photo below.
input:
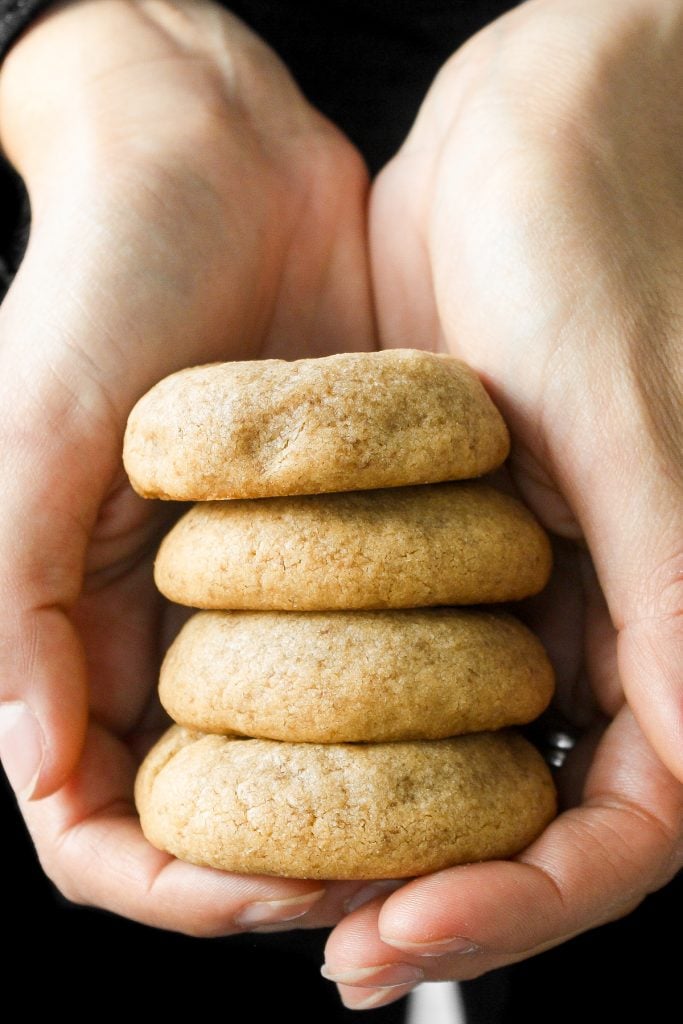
(94, 81)
(43, 77)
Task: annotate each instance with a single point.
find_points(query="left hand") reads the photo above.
(533, 225)
(188, 205)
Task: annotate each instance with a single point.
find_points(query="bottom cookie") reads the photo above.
(342, 811)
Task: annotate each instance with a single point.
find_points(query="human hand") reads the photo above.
(188, 206)
(533, 225)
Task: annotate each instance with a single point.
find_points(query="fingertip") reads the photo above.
(371, 999)
(22, 748)
(43, 710)
(356, 934)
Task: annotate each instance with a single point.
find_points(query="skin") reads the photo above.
(532, 225)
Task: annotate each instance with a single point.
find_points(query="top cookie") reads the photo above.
(355, 421)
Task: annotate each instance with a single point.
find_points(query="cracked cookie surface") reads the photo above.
(344, 811)
(333, 677)
(345, 422)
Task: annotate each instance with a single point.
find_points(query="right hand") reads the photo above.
(188, 205)
(532, 225)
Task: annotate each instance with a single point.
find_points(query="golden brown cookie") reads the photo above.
(335, 677)
(404, 548)
(379, 810)
(341, 423)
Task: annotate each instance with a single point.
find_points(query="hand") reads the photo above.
(188, 205)
(533, 225)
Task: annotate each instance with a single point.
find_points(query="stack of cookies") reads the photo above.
(338, 716)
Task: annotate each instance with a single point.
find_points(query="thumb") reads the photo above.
(648, 610)
(634, 525)
(622, 474)
(57, 456)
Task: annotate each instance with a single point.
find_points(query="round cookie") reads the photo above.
(347, 422)
(335, 677)
(344, 811)
(403, 548)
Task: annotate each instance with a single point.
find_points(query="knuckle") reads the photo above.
(662, 595)
(671, 593)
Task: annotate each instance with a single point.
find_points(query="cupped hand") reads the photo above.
(188, 205)
(532, 224)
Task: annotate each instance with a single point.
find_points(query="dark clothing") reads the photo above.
(366, 64)
(15, 15)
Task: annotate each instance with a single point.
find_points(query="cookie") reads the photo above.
(335, 677)
(341, 423)
(404, 548)
(345, 811)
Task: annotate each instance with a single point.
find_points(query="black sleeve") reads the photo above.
(15, 15)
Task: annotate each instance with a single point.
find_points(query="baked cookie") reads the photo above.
(403, 548)
(335, 677)
(341, 423)
(379, 810)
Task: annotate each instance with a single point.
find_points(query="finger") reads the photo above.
(58, 452)
(611, 469)
(650, 649)
(635, 534)
(56, 526)
(371, 999)
(637, 552)
(43, 535)
(367, 973)
(591, 865)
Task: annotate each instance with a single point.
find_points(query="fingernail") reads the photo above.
(22, 747)
(276, 911)
(382, 976)
(456, 944)
(357, 1000)
(369, 892)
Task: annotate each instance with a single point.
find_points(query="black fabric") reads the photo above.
(367, 64)
(15, 15)
(14, 223)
